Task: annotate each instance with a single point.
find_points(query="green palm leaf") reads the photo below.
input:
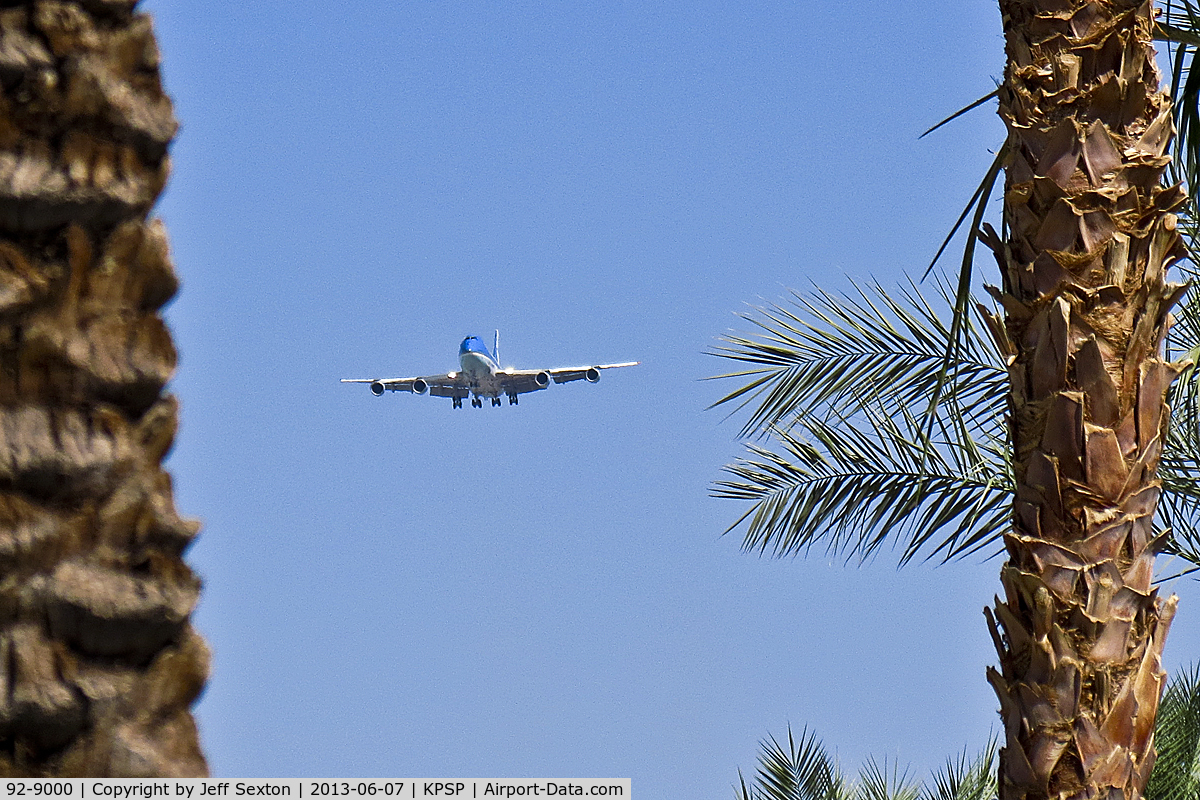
(844, 385)
(967, 777)
(803, 770)
(827, 346)
(852, 484)
(1180, 27)
(796, 771)
(1179, 470)
(1176, 773)
(840, 389)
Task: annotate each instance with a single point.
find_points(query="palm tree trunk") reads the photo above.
(1089, 236)
(98, 662)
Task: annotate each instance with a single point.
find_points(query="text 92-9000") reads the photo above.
(198, 788)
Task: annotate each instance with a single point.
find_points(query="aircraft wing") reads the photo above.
(519, 381)
(510, 381)
(449, 384)
(591, 374)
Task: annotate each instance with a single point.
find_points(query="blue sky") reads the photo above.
(397, 589)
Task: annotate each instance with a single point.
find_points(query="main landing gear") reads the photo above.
(477, 402)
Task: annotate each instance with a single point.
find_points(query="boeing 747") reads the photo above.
(480, 376)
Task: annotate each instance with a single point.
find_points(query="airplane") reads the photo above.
(481, 375)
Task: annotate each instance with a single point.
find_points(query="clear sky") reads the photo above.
(397, 589)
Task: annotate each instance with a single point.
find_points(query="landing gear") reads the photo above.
(476, 402)
(457, 402)
(495, 401)
(512, 400)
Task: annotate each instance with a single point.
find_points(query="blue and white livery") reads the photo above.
(481, 376)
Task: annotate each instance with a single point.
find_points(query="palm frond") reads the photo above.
(852, 483)
(1169, 33)
(850, 461)
(961, 315)
(877, 782)
(966, 777)
(1176, 773)
(804, 771)
(801, 771)
(976, 104)
(826, 347)
(1179, 469)
(1180, 26)
(846, 458)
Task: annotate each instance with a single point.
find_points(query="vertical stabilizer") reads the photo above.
(496, 349)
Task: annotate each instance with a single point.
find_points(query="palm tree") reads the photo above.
(1088, 233)
(101, 664)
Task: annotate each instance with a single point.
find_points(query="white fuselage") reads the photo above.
(480, 368)
(477, 365)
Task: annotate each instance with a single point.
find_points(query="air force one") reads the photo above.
(481, 376)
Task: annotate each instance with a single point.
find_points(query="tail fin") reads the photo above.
(496, 348)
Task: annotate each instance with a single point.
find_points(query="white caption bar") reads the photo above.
(402, 789)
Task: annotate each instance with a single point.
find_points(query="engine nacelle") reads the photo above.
(377, 389)
(592, 375)
(420, 386)
(542, 379)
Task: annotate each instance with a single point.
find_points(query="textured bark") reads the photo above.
(1090, 235)
(98, 662)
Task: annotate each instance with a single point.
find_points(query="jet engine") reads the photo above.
(420, 386)
(592, 375)
(377, 389)
(542, 379)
